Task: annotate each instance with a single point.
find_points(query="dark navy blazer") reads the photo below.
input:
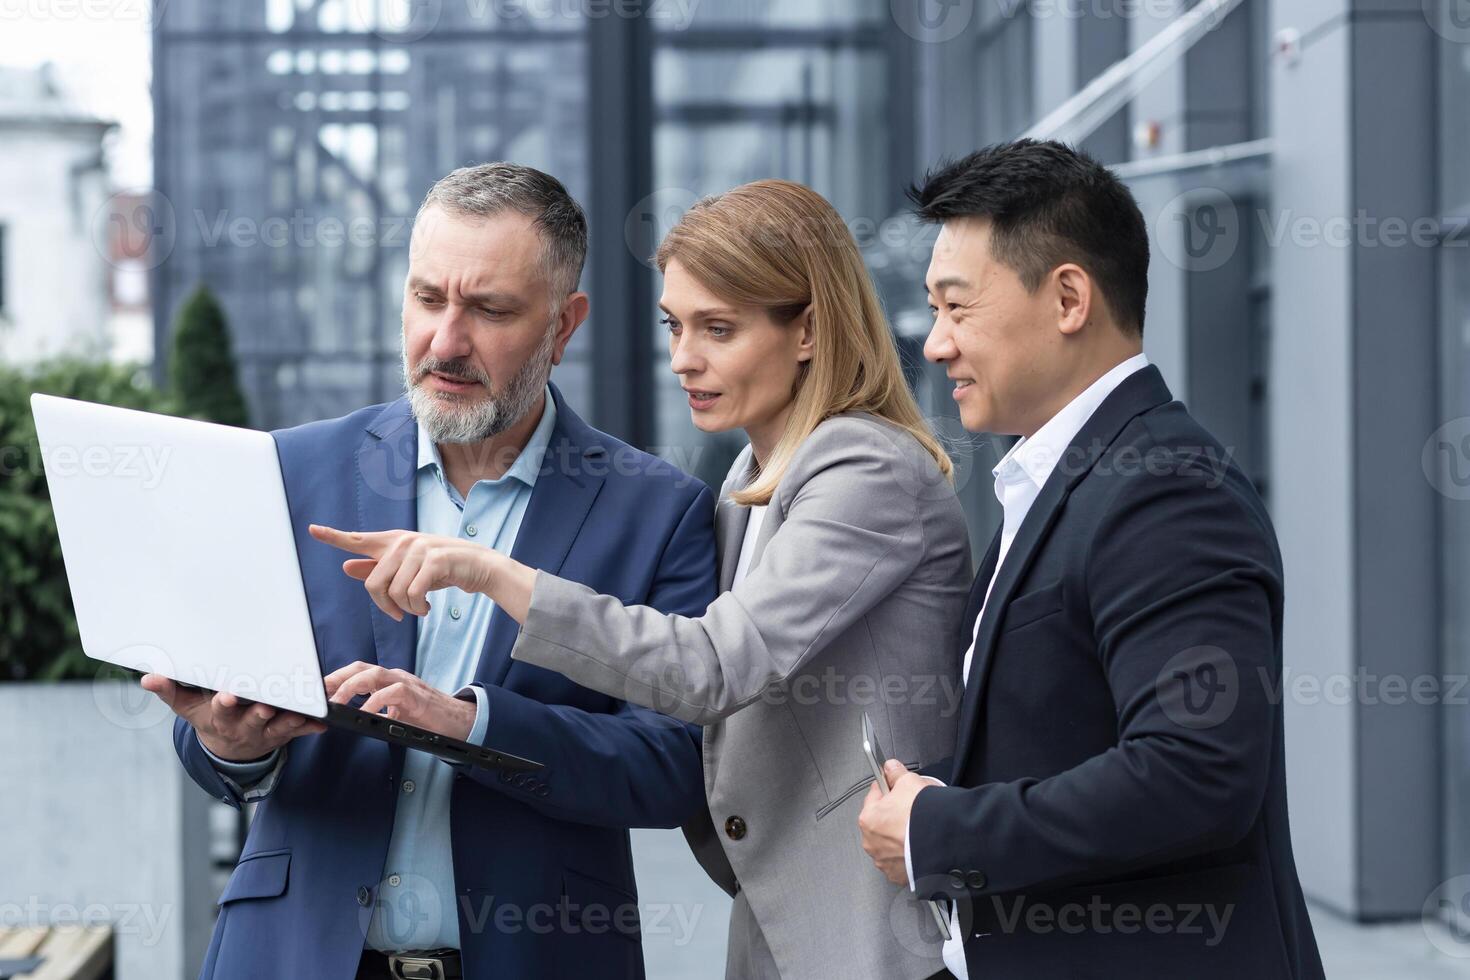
(1117, 801)
(542, 868)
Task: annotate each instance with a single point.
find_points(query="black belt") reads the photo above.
(432, 964)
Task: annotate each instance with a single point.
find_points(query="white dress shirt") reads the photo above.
(1019, 477)
(747, 543)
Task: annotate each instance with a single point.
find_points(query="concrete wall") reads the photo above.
(1354, 320)
(101, 824)
(1311, 444)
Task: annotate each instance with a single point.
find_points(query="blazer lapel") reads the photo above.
(560, 501)
(1138, 393)
(1023, 548)
(387, 499)
(983, 575)
(731, 520)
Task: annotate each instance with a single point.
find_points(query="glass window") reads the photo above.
(295, 145)
(811, 105)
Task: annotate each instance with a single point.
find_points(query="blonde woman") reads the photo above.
(844, 569)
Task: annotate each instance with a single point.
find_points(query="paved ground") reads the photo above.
(684, 918)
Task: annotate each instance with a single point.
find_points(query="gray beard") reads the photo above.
(460, 419)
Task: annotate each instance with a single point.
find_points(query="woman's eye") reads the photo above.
(671, 323)
(717, 331)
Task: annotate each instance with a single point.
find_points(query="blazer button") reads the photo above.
(364, 897)
(957, 880)
(975, 880)
(735, 828)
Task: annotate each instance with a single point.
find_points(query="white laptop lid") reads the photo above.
(178, 550)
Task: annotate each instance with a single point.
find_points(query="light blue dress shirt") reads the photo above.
(416, 900)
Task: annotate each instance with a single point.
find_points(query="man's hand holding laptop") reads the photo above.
(400, 569)
(231, 727)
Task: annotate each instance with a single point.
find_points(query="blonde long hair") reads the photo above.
(782, 247)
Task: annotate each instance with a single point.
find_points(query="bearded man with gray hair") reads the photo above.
(367, 861)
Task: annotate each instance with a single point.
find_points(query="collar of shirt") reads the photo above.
(1033, 459)
(526, 466)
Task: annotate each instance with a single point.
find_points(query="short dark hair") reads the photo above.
(1048, 204)
(494, 188)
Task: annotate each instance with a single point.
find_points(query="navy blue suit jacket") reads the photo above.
(542, 868)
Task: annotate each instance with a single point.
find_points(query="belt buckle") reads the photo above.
(415, 967)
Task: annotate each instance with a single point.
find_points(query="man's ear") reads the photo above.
(1073, 295)
(574, 310)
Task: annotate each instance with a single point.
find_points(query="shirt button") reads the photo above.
(408, 785)
(394, 880)
(454, 612)
(471, 530)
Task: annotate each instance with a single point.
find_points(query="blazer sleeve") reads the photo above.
(852, 533)
(1183, 586)
(219, 781)
(628, 768)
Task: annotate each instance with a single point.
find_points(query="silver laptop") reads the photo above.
(181, 561)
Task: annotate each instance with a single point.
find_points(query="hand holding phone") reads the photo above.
(876, 757)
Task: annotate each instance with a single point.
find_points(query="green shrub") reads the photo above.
(201, 369)
(38, 632)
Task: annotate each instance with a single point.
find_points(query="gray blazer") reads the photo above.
(852, 604)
